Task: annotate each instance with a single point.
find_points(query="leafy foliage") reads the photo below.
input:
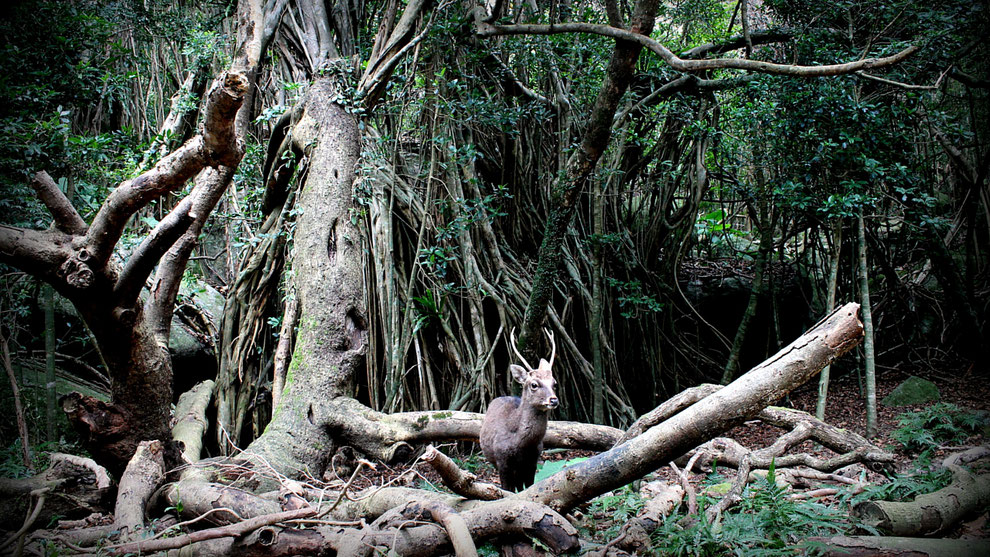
(766, 522)
(903, 487)
(923, 431)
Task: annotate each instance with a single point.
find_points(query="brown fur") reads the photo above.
(513, 430)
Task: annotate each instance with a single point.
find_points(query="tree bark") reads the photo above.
(869, 355)
(140, 479)
(331, 342)
(833, 279)
(871, 546)
(930, 514)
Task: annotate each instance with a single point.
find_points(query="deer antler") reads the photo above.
(512, 343)
(553, 345)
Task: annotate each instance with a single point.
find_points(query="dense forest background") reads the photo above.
(249, 249)
(728, 210)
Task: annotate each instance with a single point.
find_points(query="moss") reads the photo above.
(442, 415)
(421, 423)
(914, 390)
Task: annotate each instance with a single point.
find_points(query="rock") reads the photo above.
(914, 390)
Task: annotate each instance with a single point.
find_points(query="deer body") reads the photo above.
(513, 429)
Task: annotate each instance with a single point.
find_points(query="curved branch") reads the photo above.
(680, 64)
(140, 264)
(66, 218)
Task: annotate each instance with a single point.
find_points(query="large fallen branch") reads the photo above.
(141, 478)
(932, 513)
(742, 399)
(391, 437)
(76, 487)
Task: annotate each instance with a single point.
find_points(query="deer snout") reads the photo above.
(552, 402)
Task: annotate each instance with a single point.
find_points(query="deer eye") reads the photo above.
(534, 385)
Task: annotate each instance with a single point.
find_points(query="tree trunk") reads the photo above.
(871, 546)
(597, 309)
(332, 339)
(869, 356)
(930, 514)
(833, 279)
(761, 264)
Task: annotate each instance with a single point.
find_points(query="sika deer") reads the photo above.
(513, 429)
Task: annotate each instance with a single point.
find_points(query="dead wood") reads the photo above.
(76, 487)
(507, 519)
(742, 399)
(392, 437)
(460, 481)
(853, 448)
(929, 514)
(868, 546)
(143, 474)
(230, 531)
(190, 420)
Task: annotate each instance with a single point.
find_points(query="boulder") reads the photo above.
(914, 390)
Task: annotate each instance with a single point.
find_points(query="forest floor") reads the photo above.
(846, 409)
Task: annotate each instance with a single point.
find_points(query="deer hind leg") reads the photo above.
(509, 476)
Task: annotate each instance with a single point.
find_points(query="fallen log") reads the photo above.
(392, 438)
(141, 478)
(869, 546)
(741, 400)
(76, 487)
(929, 514)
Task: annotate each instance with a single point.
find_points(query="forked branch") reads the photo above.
(66, 218)
(217, 146)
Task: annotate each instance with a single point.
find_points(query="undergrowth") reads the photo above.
(924, 431)
(766, 522)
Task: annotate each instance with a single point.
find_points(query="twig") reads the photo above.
(229, 531)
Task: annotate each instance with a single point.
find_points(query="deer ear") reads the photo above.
(519, 373)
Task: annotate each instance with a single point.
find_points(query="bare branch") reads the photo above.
(66, 218)
(680, 64)
(146, 256)
(898, 84)
(218, 145)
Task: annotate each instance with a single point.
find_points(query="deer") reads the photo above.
(513, 429)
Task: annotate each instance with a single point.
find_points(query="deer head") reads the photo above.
(537, 383)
